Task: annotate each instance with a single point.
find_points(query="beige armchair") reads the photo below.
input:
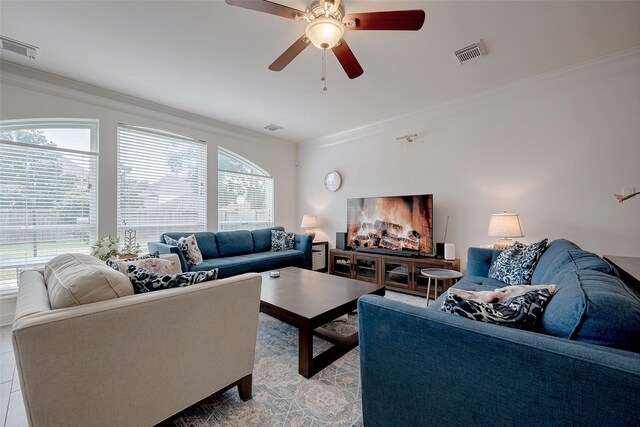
(135, 360)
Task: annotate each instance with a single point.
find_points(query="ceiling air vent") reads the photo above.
(472, 51)
(20, 48)
(273, 127)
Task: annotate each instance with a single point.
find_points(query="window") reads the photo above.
(162, 183)
(245, 194)
(48, 192)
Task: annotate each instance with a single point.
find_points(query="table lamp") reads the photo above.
(309, 222)
(505, 225)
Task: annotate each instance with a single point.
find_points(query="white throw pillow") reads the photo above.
(189, 247)
(76, 279)
(156, 265)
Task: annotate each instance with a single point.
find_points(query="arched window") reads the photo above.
(245, 194)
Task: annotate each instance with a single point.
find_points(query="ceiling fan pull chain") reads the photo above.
(324, 70)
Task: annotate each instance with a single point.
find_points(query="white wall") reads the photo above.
(554, 148)
(24, 96)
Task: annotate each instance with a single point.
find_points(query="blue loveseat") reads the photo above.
(581, 367)
(242, 251)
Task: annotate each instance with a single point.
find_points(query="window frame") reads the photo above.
(263, 174)
(58, 123)
(158, 133)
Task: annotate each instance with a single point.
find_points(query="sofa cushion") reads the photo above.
(255, 262)
(594, 307)
(76, 279)
(231, 243)
(207, 242)
(516, 264)
(554, 249)
(262, 238)
(576, 259)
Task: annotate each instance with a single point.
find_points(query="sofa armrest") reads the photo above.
(140, 359)
(303, 243)
(450, 370)
(163, 248)
(479, 260)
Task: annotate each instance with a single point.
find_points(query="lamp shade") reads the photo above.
(309, 221)
(505, 225)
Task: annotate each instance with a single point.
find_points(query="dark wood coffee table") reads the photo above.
(307, 300)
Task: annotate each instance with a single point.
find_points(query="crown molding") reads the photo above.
(36, 80)
(620, 62)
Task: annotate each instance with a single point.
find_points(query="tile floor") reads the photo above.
(11, 407)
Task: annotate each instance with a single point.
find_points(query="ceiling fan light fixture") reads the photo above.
(324, 32)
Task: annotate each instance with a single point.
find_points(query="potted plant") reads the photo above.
(130, 250)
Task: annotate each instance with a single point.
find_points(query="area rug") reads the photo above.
(282, 397)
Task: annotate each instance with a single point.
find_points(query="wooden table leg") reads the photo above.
(428, 289)
(305, 352)
(435, 291)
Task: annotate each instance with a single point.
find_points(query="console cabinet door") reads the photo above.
(340, 265)
(396, 274)
(365, 268)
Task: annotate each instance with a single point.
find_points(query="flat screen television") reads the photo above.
(393, 223)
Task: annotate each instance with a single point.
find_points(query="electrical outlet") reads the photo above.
(626, 190)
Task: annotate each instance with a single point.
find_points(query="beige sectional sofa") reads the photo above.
(133, 360)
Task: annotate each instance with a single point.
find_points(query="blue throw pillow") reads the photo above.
(144, 280)
(515, 265)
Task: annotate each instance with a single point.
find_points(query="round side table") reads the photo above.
(442, 274)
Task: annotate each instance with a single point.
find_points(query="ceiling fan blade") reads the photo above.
(267, 7)
(396, 20)
(289, 54)
(347, 60)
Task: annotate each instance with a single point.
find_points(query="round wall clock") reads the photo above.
(332, 181)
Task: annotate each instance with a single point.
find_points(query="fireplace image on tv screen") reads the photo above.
(399, 223)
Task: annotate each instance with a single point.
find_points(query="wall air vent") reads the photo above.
(470, 52)
(273, 127)
(18, 47)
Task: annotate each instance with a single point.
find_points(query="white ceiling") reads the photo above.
(209, 58)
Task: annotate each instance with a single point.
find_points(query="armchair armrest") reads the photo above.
(451, 370)
(163, 248)
(303, 243)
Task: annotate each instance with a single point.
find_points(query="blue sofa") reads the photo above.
(242, 251)
(581, 367)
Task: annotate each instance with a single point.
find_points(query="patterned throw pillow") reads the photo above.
(521, 311)
(189, 248)
(155, 265)
(515, 265)
(169, 241)
(144, 280)
(281, 240)
(115, 263)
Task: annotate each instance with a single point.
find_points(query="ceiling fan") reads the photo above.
(326, 24)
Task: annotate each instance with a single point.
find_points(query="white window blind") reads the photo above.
(162, 183)
(48, 193)
(245, 194)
